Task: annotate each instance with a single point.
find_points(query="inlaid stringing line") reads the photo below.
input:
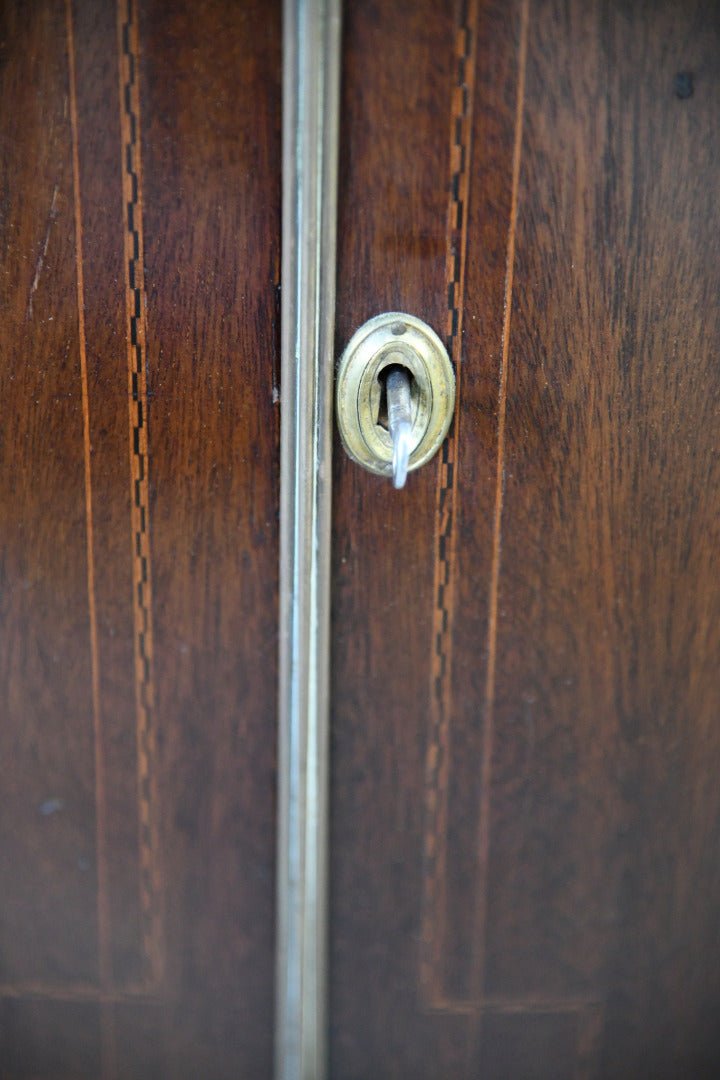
(105, 967)
(138, 423)
(479, 949)
(436, 767)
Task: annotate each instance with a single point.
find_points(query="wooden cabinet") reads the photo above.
(525, 818)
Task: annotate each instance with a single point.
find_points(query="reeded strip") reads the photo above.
(311, 67)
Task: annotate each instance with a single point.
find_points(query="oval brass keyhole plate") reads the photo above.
(386, 341)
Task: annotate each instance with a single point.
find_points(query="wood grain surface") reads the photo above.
(140, 149)
(525, 831)
(391, 257)
(604, 865)
(211, 145)
(572, 882)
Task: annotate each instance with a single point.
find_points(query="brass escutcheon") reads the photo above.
(382, 342)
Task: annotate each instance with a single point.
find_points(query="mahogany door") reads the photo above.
(525, 818)
(526, 679)
(141, 162)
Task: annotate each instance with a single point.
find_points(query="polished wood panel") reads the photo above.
(141, 190)
(93, 30)
(604, 821)
(48, 821)
(542, 899)
(394, 198)
(211, 130)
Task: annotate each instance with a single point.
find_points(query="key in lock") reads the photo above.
(395, 395)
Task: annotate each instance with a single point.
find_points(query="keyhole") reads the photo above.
(395, 394)
(382, 419)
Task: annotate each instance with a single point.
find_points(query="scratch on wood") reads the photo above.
(43, 253)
